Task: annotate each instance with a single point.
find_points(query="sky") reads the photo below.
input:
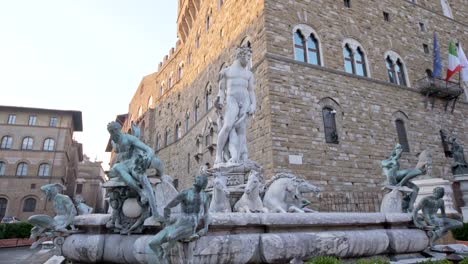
(85, 55)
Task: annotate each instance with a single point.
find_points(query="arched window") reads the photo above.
(402, 137)
(180, 71)
(208, 100)
(354, 58)
(195, 110)
(390, 70)
(49, 144)
(167, 138)
(158, 142)
(348, 59)
(329, 125)
(2, 168)
(3, 207)
(22, 169)
(299, 47)
(43, 170)
(150, 102)
(360, 62)
(161, 89)
(187, 121)
(313, 56)
(7, 141)
(177, 134)
(395, 68)
(27, 143)
(400, 73)
(29, 205)
(140, 111)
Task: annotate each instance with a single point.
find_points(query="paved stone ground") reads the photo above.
(23, 255)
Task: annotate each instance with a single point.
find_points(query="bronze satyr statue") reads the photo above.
(434, 225)
(400, 178)
(193, 202)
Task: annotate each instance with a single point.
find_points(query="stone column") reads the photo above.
(427, 185)
(463, 180)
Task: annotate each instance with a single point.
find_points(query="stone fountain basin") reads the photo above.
(255, 238)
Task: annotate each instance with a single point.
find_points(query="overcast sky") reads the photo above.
(86, 55)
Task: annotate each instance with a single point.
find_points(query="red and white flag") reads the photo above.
(463, 63)
(453, 62)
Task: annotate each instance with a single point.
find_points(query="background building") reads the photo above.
(338, 84)
(36, 148)
(88, 184)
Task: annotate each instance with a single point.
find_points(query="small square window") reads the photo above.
(422, 26)
(347, 3)
(426, 48)
(32, 120)
(53, 121)
(11, 119)
(386, 16)
(33, 186)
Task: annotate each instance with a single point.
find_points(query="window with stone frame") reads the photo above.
(187, 121)
(2, 168)
(167, 137)
(32, 120)
(306, 45)
(354, 60)
(196, 108)
(177, 134)
(7, 142)
(44, 169)
(27, 143)
(49, 144)
(208, 99)
(29, 205)
(3, 207)
(158, 142)
(79, 188)
(402, 136)
(329, 125)
(180, 72)
(395, 69)
(53, 121)
(11, 119)
(22, 169)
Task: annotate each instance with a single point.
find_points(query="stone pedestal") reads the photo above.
(427, 185)
(463, 180)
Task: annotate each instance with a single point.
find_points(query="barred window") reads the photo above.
(402, 137)
(329, 124)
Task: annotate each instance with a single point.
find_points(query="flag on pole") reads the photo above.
(437, 63)
(453, 62)
(463, 63)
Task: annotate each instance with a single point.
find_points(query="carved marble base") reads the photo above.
(427, 185)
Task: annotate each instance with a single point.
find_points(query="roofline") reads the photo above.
(76, 115)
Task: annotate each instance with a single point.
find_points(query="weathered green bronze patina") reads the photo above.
(435, 226)
(193, 202)
(46, 227)
(400, 178)
(133, 158)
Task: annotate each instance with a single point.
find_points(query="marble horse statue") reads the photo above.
(285, 194)
(250, 201)
(220, 197)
